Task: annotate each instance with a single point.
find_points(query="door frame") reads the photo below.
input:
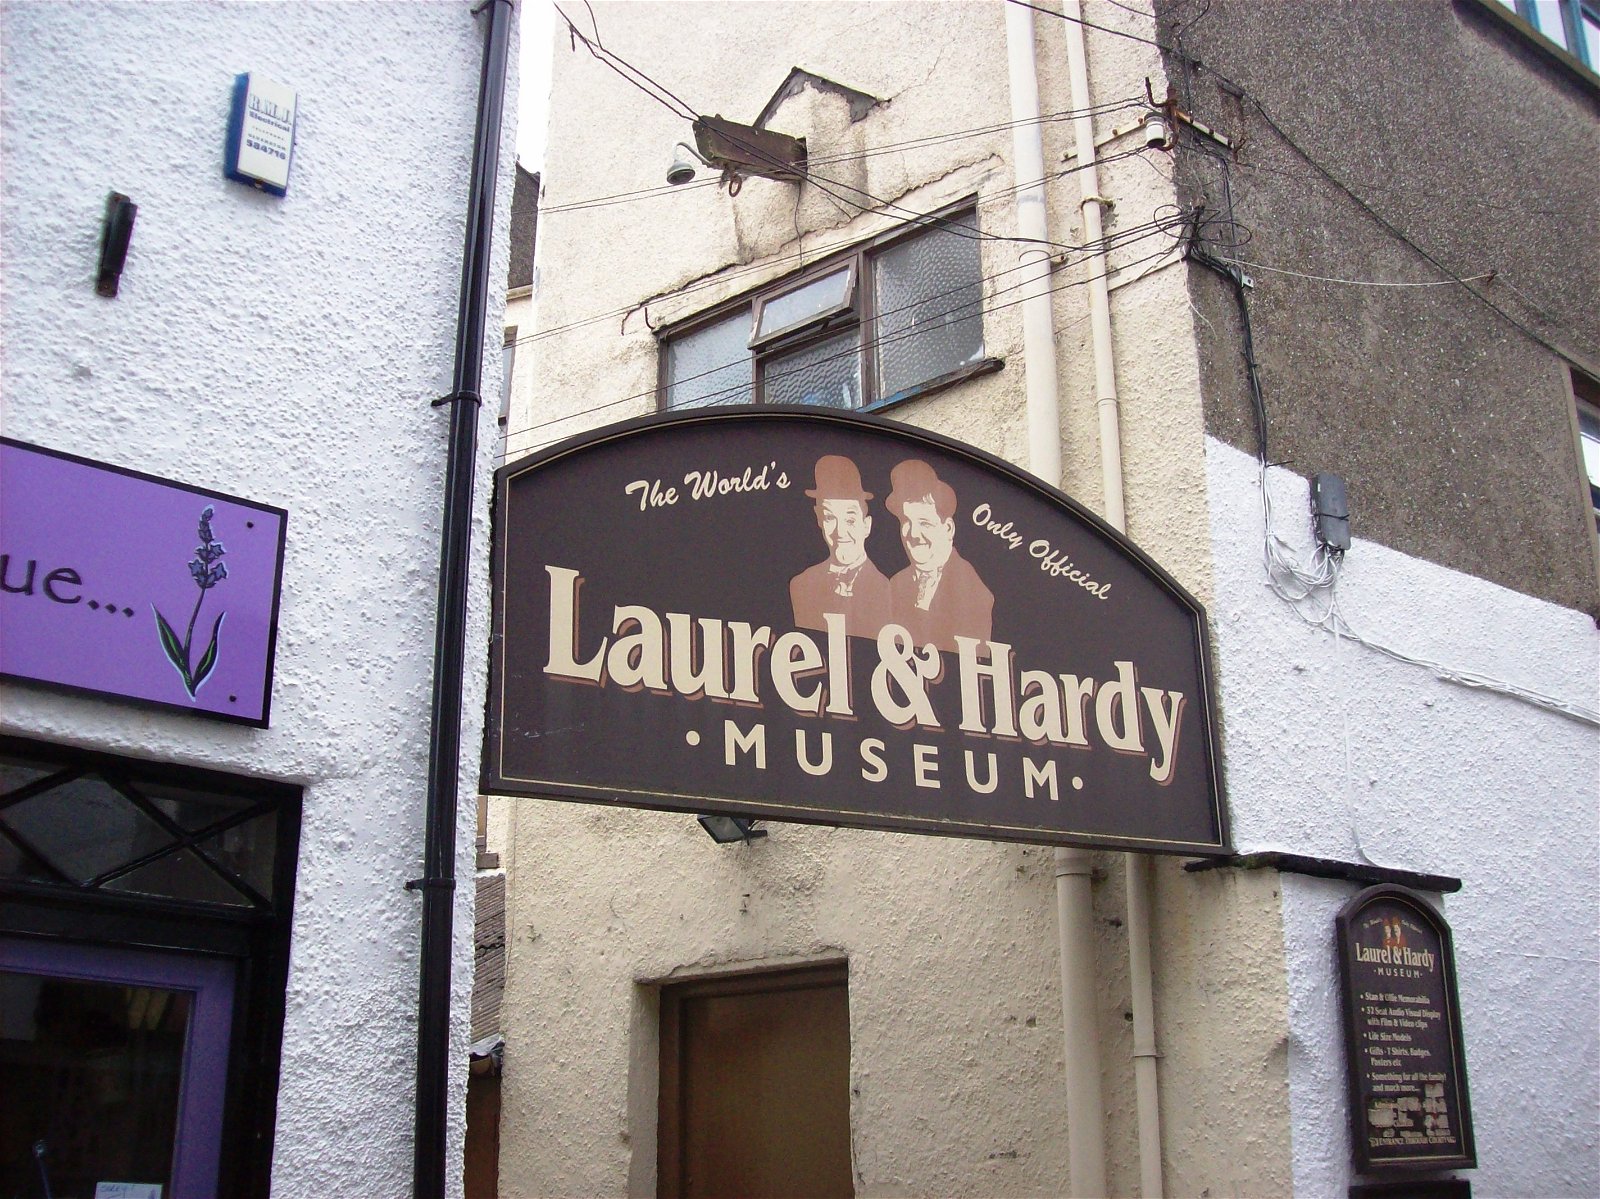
(253, 942)
(674, 994)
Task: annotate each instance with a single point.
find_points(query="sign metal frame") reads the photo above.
(262, 635)
(502, 778)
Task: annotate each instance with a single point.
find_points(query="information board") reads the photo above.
(1405, 1058)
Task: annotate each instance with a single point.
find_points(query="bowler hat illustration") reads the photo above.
(911, 481)
(838, 479)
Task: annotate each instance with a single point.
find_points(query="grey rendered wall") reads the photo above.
(1451, 422)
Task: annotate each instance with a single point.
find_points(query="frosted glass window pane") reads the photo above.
(1589, 429)
(1547, 18)
(711, 365)
(929, 304)
(826, 295)
(14, 863)
(19, 772)
(827, 373)
(194, 809)
(249, 850)
(1591, 39)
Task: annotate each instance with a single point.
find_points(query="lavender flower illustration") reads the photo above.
(207, 571)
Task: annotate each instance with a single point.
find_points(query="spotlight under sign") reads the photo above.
(799, 614)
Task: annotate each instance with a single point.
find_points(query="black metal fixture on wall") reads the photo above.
(444, 755)
(726, 830)
(115, 236)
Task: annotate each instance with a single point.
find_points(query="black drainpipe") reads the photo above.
(438, 883)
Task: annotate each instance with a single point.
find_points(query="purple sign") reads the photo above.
(124, 584)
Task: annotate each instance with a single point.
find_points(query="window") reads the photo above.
(1587, 393)
(508, 368)
(144, 941)
(1574, 25)
(897, 317)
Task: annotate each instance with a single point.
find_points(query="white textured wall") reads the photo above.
(285, 350)
(956, 1043)
(1334, 750)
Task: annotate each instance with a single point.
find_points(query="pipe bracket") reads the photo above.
(430, 884)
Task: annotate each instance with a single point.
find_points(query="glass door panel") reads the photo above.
(121, 1056)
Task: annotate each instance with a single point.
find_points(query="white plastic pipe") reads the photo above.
(1038, 334)
(1136, 866)
(1147, 1094)
(1074, 898)
(1105, 375)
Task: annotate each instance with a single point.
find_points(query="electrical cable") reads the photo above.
(1060, 16)
(1316, 583)
(1109, 242)
(679, 107)
(721, 278)
(865, 346)
(1128, 8)
(626, 70)
(1278, 270)
(1337, 182)
(1103, 109)
(1401, 236)
(1323, 574)
(855, 351)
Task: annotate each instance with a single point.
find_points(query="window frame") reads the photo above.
(759, 344)
(508, 372)
(1585, 394)
(256, 939)
(1520, 16)
(860, 313)
(1572, 13)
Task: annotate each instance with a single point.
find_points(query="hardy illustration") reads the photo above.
(207, 570)
(939, 596)
(936, 598)
(846, 581)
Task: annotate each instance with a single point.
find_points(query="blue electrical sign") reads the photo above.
(261, 134)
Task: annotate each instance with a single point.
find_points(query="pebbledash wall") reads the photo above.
(1338, 751)
(285, 350)
(1448, 407)
(956, 1048)
(1472, 551)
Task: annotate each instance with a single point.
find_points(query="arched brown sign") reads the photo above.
(800, 614)
(1409, 1108)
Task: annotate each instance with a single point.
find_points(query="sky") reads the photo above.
(534, 99)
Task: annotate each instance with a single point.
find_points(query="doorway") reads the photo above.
(755, 1086)
(145, 912)
(122, 1055)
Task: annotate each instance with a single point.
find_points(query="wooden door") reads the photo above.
(755, 1087)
